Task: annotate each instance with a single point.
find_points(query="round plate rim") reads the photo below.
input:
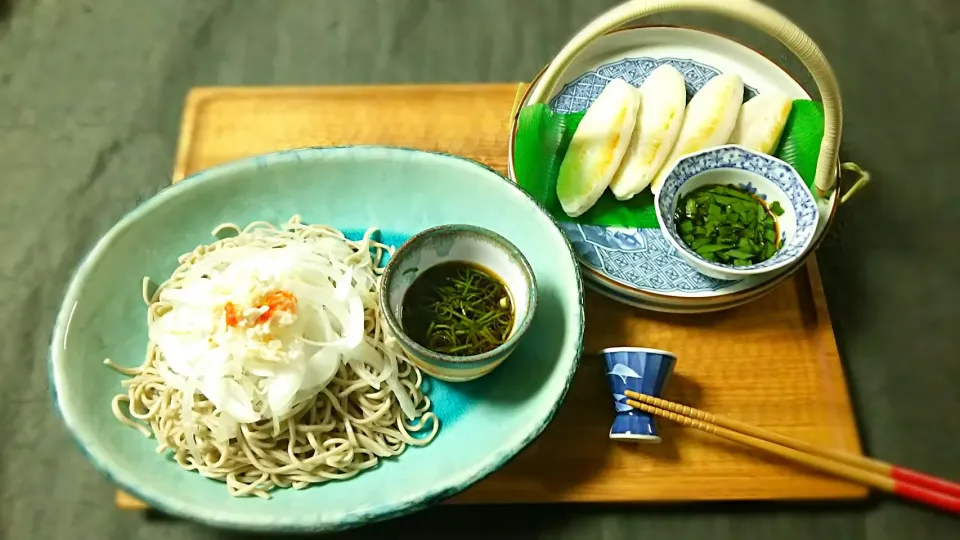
(657, 301)
(384, 512)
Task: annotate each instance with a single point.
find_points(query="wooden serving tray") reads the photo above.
(772, 363)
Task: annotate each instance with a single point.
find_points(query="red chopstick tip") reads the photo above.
(926, 481)
(926, 496)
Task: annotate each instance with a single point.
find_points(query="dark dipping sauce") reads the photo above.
(728, 225)
(457, 308)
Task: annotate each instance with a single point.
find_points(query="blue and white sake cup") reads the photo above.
(644, 371)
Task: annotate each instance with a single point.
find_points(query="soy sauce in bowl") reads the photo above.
(458, 308)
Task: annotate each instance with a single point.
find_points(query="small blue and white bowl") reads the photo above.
(644, 371)
(767, 178)
(468, 243)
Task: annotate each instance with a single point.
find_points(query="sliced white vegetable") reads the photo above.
(403, 397)
(360, 362)
(229, 397)
(343, 285)
(761, 122)
(195, 296)
(597, 147)
(354, 325)
(321, 368)
(221, 428)
(280, 388)
(260, 368)
(707, 122)
(251, 368)
(171, 379)
(182, 351)
(663, 98)
(370, 365)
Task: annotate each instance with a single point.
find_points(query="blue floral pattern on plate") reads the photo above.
(638, 258)
(578, 95)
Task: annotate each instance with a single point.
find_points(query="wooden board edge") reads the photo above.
(128, 503)
(192, 103)
(299, 89)
(197, 96)
(851, 492)
(518, 100)
(843, 403)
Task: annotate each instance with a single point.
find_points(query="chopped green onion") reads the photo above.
(725, 223)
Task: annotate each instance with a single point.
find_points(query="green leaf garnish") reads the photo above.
(727, 224)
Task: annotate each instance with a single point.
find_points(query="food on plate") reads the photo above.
(597, 147)
(799, 144)
(268, 366)
(458, 308)
(761, 121)
(663, 97)
(708, 120)
(727, 225)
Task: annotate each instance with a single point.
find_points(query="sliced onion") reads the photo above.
(182, 354)
(240, 370)
(281, 388)
(228, 396)
(171, 379)
(403, 398)
(370, 356)
(198, 295)
(222, 427)
(344, 285)
(353, 330)
(259, 368)
(361, 369)
(321, 368)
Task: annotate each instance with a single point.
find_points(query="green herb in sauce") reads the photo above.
(727, 225)
(457, 308)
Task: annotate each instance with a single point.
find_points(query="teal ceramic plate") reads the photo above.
(483, 423)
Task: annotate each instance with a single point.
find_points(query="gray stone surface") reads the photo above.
(90, 100)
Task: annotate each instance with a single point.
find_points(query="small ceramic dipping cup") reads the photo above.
(475, 245)
(767, 178)
(644, 371)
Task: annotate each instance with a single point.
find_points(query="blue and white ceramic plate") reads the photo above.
(483, 423)
(639, 266)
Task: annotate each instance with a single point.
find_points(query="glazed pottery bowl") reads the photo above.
(475, 246)
(400, 192)
(767, 178)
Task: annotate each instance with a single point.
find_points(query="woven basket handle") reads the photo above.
(747, 11)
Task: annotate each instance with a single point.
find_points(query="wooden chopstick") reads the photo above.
(905, 482)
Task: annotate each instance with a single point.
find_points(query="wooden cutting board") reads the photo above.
(772, 363)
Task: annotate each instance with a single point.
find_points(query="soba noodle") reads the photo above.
(334, 434)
